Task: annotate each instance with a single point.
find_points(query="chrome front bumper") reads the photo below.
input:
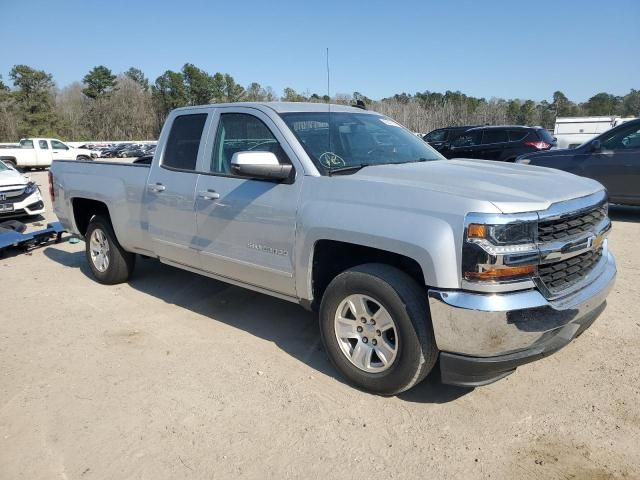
(501, 324)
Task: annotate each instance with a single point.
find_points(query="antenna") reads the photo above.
(329, 103)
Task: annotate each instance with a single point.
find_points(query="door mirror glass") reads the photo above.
(596, 146)
(262, 165)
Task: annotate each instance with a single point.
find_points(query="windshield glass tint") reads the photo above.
(340, 139)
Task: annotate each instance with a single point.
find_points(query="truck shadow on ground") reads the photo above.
(293, 329)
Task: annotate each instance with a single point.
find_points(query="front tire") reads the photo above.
(376, 328)
(108, 261)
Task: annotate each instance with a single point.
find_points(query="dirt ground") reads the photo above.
(176, 376)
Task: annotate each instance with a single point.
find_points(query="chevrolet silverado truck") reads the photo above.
(38, 153)
(408, 258)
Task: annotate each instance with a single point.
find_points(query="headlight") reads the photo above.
(502, 250)
(30, 188)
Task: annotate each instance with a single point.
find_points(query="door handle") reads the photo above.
(156, 187)
(209, 195)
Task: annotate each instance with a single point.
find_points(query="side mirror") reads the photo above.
(262, 165)
(596, 146)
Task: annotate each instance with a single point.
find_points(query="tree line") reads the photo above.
(127, 106)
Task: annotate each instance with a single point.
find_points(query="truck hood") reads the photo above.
(11, 178)
(512, 188)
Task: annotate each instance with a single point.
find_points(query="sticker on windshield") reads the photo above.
(386, 121)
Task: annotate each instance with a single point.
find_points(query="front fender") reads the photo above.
(429, 240)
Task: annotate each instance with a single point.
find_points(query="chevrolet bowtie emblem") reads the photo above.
(595, 241)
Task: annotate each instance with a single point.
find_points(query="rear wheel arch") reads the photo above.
(84, 209)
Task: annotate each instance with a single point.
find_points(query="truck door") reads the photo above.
(246, 227)
(60, 151)
(43, 154)
(170, 189)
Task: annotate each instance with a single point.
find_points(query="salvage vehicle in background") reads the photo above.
(40, 152)
(19, 196)
(574, 131)
(612, 158)
(503, 143)
(409, 258)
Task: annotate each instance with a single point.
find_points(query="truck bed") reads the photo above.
(120, 186)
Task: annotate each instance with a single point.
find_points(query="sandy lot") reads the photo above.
(177, 376)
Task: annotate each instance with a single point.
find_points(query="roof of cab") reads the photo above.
(288, 107)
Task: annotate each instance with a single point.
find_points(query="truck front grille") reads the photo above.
(570, 225)
(560, 276)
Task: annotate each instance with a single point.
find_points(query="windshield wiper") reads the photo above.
(348, 168)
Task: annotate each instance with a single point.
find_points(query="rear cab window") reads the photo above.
(26, 143)
(183, 144)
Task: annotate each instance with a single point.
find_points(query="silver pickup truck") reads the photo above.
(408, 258)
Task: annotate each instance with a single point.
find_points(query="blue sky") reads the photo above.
(508, 49)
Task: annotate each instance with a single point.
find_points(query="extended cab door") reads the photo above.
(171, 186)
(246, 227)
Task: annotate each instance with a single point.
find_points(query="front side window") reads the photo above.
(345, 139)
(494, 135)
(436, 136)
(43, 144)
(468, 139)
(241, 132)
(58, 145)
(183, 143)
(623, 139)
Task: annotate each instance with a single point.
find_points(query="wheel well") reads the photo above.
(84, 209)
(330, 258)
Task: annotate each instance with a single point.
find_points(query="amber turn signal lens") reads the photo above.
(476, 230)
(502, 273)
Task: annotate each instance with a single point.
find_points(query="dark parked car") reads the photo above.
(441, 138)
(612, 158)
(504, 143)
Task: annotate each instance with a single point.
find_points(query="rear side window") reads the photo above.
(43, 144)
(494, 135)
(182, 147)
(468, 139)
(544, 135)
(517, 135)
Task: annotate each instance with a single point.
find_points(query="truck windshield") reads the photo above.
(339, 140)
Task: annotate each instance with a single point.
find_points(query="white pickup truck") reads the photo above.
(40, 152)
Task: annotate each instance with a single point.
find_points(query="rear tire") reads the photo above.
(83, 157)
(108, 261)
(408, 345)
